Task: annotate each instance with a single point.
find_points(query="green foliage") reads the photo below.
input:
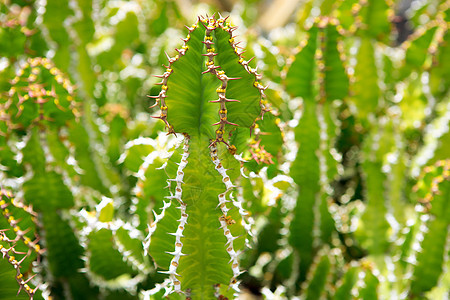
(326, 179)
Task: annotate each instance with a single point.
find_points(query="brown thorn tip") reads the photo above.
(227, 122)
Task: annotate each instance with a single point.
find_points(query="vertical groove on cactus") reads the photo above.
(220, 74)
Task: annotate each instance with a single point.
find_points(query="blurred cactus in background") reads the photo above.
(302, 154)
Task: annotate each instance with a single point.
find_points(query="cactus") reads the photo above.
(433, 190)
(311, 168)
(339, 192)
(208, 80)
(18, 239)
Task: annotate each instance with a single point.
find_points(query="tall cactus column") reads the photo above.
(210, 95)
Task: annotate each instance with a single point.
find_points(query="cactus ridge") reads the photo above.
(177, 253)
(10, 253)
(226, 220)
(32, 102)
(216, 51)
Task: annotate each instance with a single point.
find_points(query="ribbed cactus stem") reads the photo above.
(7, 199)
(243, 213)
(177, 253)
(225, 220)
(152, 226)
(160, 98)
(180, 174)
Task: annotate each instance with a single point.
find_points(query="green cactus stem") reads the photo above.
(211, 95)
(15, 241)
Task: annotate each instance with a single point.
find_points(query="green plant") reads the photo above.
(330, 182)
(208, 84)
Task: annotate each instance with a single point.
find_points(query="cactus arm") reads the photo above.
(305, 167)
(436, 139)
(435, 188)
(370, 284)
(319, 277)
(336, 81)
(103, 259)
(19, 247)
(302, 71)
(310, 169)
(343, 290)
(209, 66)
(8, 275)
(209, 93)
(211, 252)
(375, 18)
(63, 248)
(207, 259)
(233, 64)
(417, 46)
(185, 91)
(373, 229)
(365, 87)
(305, 172)
(440, 73)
